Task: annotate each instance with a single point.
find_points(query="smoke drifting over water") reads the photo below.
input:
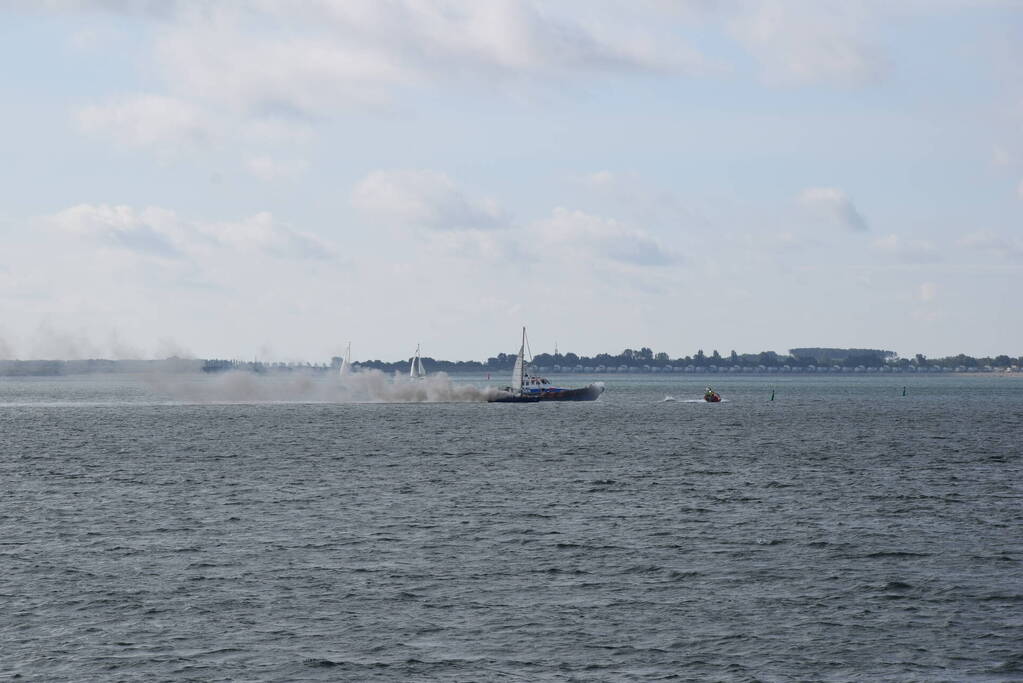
(368, 386)
(52, 342)
(375, 387)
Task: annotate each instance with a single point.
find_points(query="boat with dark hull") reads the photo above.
(531, 389)
(545, 391)
(508, 397)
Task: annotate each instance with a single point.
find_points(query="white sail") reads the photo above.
(416, 370)
(519, 373)
(346, 362)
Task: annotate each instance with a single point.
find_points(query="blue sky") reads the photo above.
(271, 179)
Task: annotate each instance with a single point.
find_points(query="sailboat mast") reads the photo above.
(346, 361)
(522, 354)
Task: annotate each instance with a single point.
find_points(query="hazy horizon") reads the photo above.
(271, 180)
(72, 354)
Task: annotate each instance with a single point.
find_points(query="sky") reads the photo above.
(271, 180)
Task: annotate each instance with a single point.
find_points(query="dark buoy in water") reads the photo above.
(903, 391)
(772, 394)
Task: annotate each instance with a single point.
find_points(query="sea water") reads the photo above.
(842, 531)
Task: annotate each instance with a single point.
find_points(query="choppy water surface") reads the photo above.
(842, 531)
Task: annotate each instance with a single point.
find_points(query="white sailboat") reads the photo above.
(416, 370)
(519, 372)
(346, 362)
(516, 393)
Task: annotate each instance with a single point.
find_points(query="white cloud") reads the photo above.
(460, 227)
(158, 232)
(1019, 189)
(307, 61)
(801, 42)
(150, 231)
(226, 66)
(314, 59)
(605, 238)
(909, 251)
(475, 246)
(427, 199)
(270, 71)
(170, 125)
(834, 205)
(260, 73)
(149, 120)
(261, 233)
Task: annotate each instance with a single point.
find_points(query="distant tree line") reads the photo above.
(221, 365)
(646, 357)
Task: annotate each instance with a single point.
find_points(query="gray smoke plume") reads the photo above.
(366, 386)
(52, 342)
(6, 350)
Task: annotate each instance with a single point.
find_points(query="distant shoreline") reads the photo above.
(798, 361)
(63, 368)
